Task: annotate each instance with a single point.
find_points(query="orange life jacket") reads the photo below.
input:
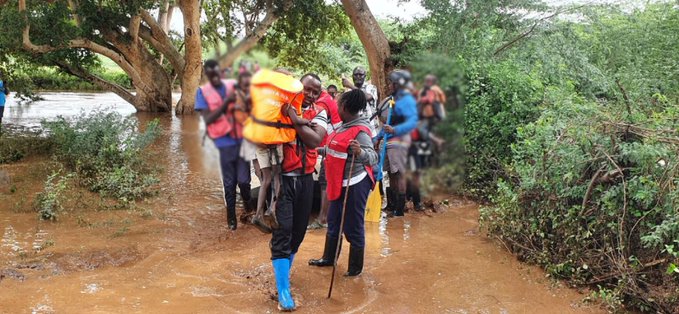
(269, 91)
(296, 155)
(336, 155)
(225, 124)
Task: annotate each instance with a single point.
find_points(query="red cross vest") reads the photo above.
(330, 107)
(225, 124)
(295, 154)
(336, 155)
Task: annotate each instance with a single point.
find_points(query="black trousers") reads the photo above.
(292, 212)
(354, 219)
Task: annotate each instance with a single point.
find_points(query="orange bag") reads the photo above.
(270, 91)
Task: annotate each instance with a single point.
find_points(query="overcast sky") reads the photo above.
(412, 9)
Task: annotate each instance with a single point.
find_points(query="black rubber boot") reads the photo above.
(328, 253)
(417, 200)
(231, 218)
(355, 261)
(391, 200)
(400, 205)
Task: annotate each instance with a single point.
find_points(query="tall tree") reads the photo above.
(374, 40)
(227, 20)
(69, 34)
(294, 32)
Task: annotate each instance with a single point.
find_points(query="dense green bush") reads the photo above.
(594, 197)
(500, 98)
(107, 152)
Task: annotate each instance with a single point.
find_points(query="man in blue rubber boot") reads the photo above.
(295, 200)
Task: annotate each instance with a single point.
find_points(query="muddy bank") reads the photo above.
(413, 265)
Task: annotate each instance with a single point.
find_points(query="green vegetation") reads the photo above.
(102, 152)
(49, 202)
(107, 153)
(570, 133)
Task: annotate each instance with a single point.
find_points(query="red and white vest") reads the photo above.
(336, 155)
(225, 124)
(330, 106)
(293, 151)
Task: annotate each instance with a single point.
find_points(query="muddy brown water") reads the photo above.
(173, 253)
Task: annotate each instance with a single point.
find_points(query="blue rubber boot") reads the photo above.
(281, 269)
(292, 259)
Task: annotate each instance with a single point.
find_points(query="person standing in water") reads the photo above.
(351, 141)
(4, 92)
(328, 103)
(215, 100)
(403, 122)
(295, 201)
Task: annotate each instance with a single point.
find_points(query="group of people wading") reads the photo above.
(344, 132)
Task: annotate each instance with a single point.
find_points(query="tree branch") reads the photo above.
(527, 33)
(159, 39)
(106, 85)
(253, 38)
(135, 23)
(116, 57)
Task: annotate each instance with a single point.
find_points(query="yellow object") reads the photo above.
(270, 91)
(373, 208)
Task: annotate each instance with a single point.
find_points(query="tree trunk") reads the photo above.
(373, 39)
(192, 56)
(157, 98)
(149, 78)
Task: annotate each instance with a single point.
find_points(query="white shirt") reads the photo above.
(371, 108)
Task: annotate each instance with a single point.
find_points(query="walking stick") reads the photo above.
(344, 213)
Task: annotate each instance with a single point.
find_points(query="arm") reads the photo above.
(367, 155)
(371, 94)
(408, 110)
(6, 89)
(209, 116)
(348, 84)
(312, 135)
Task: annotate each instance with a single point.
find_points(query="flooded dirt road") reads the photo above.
(173, 254)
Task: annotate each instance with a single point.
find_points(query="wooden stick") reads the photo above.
(344, 213)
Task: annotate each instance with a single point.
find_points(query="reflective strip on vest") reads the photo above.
(336, 154)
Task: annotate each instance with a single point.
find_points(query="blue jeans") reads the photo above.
(235, 171)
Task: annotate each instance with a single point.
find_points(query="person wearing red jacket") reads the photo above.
(350, 156)
(327, 102)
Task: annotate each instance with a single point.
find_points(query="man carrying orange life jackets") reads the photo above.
(215, 100)
(295, 199)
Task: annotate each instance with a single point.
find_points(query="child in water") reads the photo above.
(351, 141)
